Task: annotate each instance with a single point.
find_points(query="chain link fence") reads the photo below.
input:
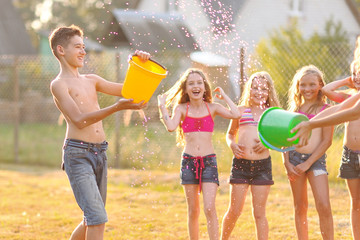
(32, 130)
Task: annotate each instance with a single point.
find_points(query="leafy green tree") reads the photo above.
(286, 50)
(88, 14)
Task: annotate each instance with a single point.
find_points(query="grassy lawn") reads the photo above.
(37, 203)
(142, 146)
(145, 199)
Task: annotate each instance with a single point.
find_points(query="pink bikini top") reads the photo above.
(310, 116)
(203, 124)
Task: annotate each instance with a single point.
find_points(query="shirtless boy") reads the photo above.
(84, 157)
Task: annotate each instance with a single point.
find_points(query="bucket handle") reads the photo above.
(150, 59)
(276, 148)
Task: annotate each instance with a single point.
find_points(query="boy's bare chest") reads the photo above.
(83, 93)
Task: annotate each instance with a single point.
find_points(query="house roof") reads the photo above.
(209, 59)
(14, 39)
(149, 31)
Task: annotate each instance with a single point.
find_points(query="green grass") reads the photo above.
(142, 146)
(37, 203)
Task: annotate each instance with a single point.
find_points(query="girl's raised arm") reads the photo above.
(233, 112)
(330, 89)
(171, 123)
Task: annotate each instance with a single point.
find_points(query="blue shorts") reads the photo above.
(318, 167)
(86, 167)
(192, 172)
(253, 172)
(350, 166)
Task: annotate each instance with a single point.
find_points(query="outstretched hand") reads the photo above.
(125, 103)
(303, 133)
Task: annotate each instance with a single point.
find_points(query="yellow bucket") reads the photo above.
(142, 79)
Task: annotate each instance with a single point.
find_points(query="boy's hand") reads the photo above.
(124, 103)
(142, 55)
(303, 134)
(219, 92)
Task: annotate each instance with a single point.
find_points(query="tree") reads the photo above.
(87, 14)
(286, 50)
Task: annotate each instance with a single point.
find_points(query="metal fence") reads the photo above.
(30, 123)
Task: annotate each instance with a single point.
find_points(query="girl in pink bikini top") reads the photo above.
(198, 162)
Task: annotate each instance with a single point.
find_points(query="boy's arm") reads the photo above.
(113, 88)
(107, 87)
(329, 117)
(71, 111)
(330, 89)
(349, 104)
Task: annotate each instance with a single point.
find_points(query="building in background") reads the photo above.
(228, 27)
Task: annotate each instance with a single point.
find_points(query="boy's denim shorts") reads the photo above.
(318, 167)
(86, 167)
(350, 165)
(253, 172)
(192, 170)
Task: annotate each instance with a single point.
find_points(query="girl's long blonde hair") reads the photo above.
(295, 98)
(355, 66)
(177, 95)
(272, 100)
(357, 49)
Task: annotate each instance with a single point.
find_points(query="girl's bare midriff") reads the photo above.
(198, 143)
(248, 137)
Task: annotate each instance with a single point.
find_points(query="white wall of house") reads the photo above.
(256, 19)
(153, 6)
(317, 12)
(260, 17)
